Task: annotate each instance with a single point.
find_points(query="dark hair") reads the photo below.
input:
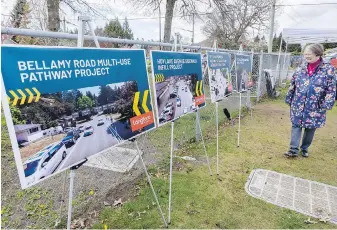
(316, 48)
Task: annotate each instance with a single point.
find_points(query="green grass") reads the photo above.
(203, 201)
(198, 200)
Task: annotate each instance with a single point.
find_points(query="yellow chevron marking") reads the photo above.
(16, 98)
(196, 89)
(135, 104)
(8, 99)
(30, 99)
(200, 88)
(146, 109)
(23, 96)
(37, 94)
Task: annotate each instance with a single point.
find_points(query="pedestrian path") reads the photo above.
(307, 197)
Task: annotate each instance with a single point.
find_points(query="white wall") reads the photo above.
(35, 136)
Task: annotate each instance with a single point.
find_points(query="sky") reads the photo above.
(145, 23)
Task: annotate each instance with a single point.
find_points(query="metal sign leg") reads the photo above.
(70, 202)
(197, 126)
(150, 183)
(239, 130)
(203, 142)
(171, 166)
(217, 136)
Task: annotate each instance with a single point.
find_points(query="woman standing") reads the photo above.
(312, 91)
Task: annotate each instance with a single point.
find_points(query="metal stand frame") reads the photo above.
(239, 129)
(80, 40)
(150, 183)
(217, 136)
(71, 190)
(171, 172)
(203, 143)
(215, 46)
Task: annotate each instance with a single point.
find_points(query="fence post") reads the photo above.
(258, 94)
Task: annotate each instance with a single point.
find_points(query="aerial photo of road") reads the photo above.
(99, 137)
(174, 98)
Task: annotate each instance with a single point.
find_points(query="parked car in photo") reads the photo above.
(167, 110)
(185, 110)
(23, 143)
(81, 128)
(193, 108)
(88, 130)
(45, 162)
(165, 117)
(71, 137)
(173, 95)
(168, 105)
(100, 122)
(178, 102)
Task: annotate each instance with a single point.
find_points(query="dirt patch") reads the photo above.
(33, 148)
(122, 192)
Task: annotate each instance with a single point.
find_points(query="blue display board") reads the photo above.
(177, 79)
(220, 80)
(243, 72)
(63, 105)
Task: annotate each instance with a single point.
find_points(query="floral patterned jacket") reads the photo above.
(310, 96)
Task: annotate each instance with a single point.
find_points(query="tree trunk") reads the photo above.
(168, 20)
(53, 15)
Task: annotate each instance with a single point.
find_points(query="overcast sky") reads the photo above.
(287, 16)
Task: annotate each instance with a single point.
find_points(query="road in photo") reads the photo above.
(174, 98)
(101, 138)
(178, 83)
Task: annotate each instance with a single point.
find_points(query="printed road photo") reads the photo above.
(220, 83)
(64, 128)
(175, 96)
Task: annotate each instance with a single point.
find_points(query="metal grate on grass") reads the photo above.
(304, 196)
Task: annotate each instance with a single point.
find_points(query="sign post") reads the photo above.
(178, 92)
(150, 183)
(171, 172)
(218, 65)
(243, 67)
(80, 40)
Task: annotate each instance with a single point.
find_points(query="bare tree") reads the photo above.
(185, 8)
(18, 13)
(232, 20)
(76, 6)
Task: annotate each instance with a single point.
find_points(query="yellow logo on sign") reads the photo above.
(23, 96)
(198, 88)
(159, 77)
(136, 102)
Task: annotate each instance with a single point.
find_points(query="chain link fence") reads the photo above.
(45, 205)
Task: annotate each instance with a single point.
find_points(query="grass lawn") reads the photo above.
(203, 201)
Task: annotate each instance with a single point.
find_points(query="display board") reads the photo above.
(243, 65)
(63, 105)
(178, 84)
(220, 80)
